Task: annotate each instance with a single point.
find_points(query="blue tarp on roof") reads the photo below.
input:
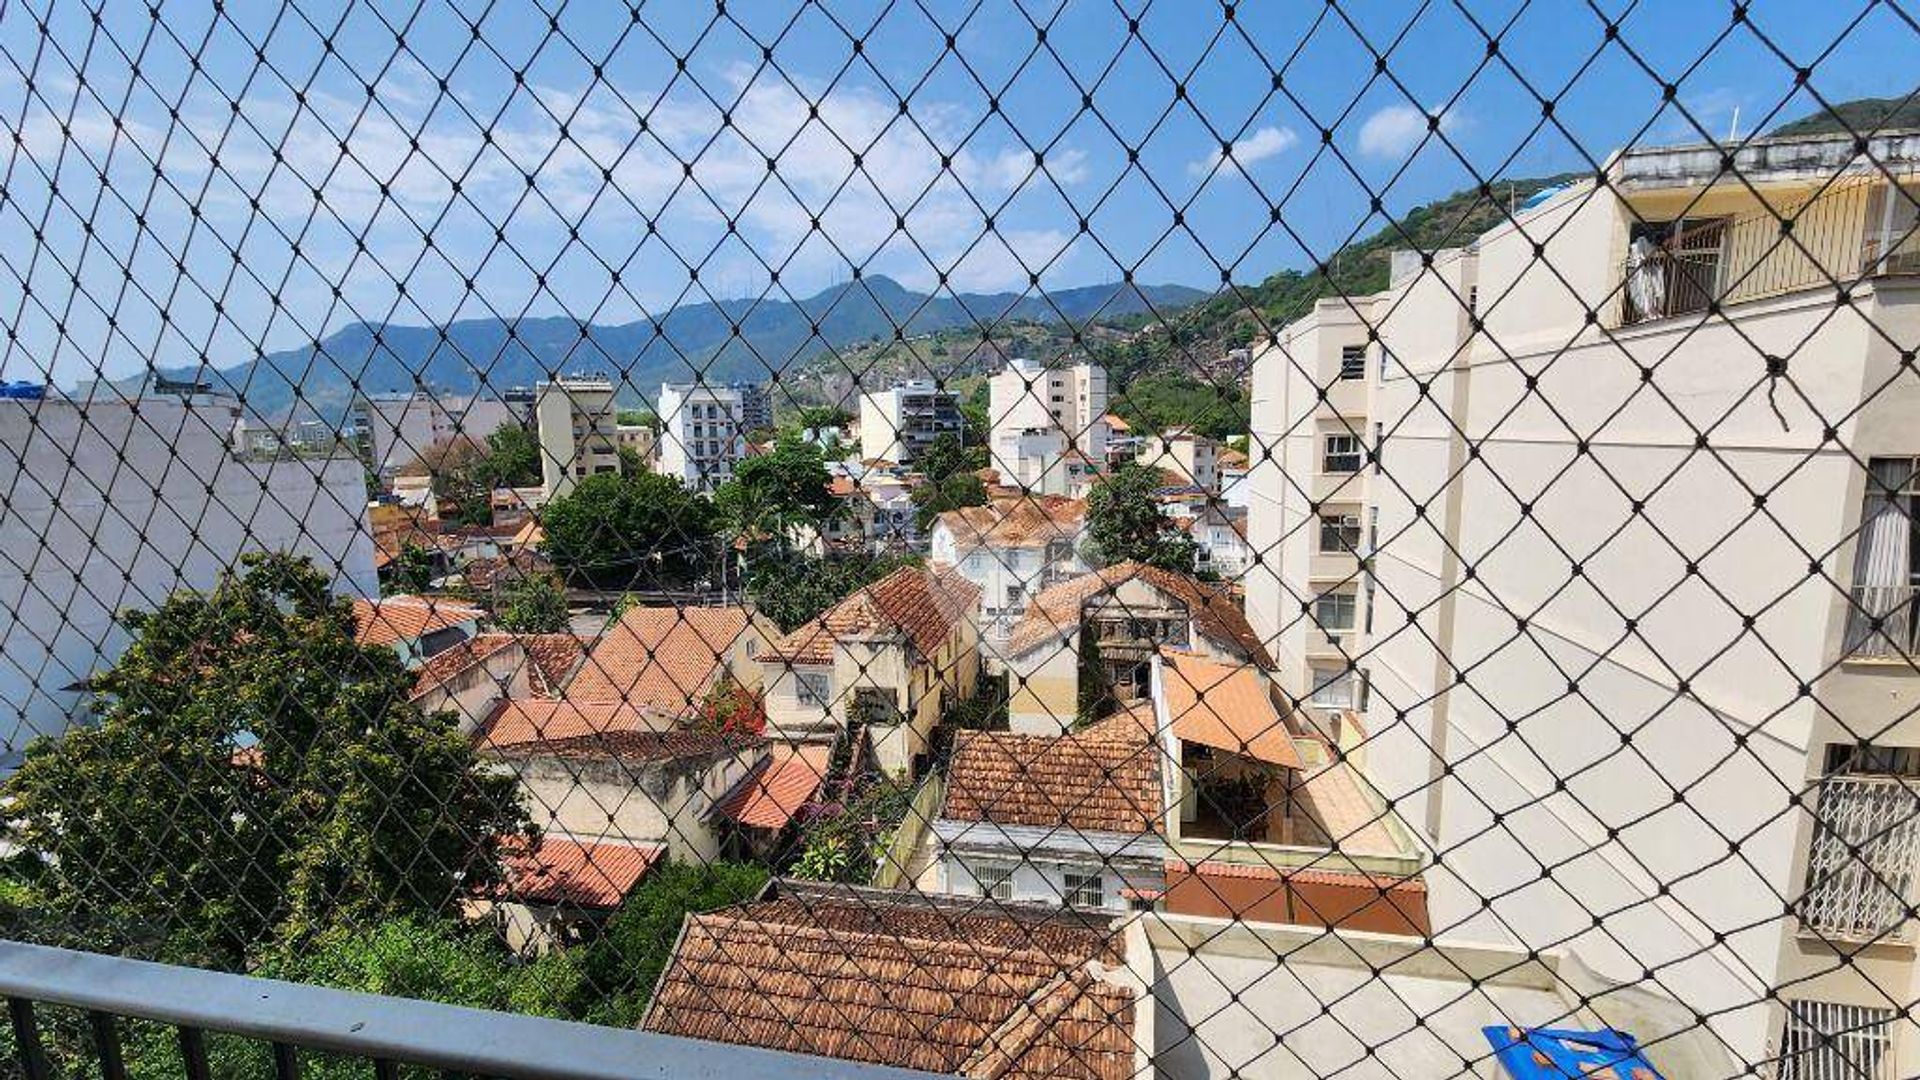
(1560, 1053)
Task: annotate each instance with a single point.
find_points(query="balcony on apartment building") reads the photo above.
(1883, 605)
(1804, 214)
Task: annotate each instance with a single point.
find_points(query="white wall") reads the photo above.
(134, 503)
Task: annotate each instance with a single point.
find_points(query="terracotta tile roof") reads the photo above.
(1104, 778)
(662, 659)
(517, 565)
(562, 870)
(608, 729)
(530, 534)
(1316, 875)
(779, 785)
(405, 618)
(894, 978)
(443, 666)
(1114, 423)
(1024, 521)
(1055, 612)
(1353, 820)
(549, 659)
(1225, 706)
(922, 603)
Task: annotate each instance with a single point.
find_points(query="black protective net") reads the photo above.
(1002, 539)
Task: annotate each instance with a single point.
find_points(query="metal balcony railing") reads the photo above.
(1866, 851)
(387, 1032)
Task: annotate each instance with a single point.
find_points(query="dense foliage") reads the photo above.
(1124, 522)
(345, 805)
(633, 531)
(1170, 400)
(791, 588)
(776, 495)
(934, 498)
(534, 604)
(617, 971)
(845, 842)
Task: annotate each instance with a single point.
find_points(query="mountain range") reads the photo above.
(728, 340)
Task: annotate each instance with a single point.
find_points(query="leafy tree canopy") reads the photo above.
(932, 499)
(1124, 522)
(618, 971)
(633, 531)
(774, 494)
(254, 775)
(535, 604)
(791, 588)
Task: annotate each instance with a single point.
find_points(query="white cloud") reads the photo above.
(1394, 131)
(1013, 168)
(1259, 146)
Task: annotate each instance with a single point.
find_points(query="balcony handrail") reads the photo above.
(384, 1030)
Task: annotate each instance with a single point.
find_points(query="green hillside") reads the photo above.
(1860, 116)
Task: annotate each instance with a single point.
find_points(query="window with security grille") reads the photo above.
(993, 880)
(1339, 533)
(1824, 1040)
(1340, 454)
(815, 688)
(1864, 858)
(1333, 688)
(1082, 890)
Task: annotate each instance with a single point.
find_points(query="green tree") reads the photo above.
(640, 530)
(618, 971)
(1124, 522)
(791, 588)
(535, 604)
(773, 495)
(943, 459)
(254, 775)
(932, 499)
(413, 569)
(1173, 399)
(511, 459)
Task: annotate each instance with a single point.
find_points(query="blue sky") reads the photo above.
(361, 197)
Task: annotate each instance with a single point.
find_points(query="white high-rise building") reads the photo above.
(109, 508)
(899, 424)
(702, 434)
(1611, 537)
(396, 429)
(1040, 415)
(579, 432)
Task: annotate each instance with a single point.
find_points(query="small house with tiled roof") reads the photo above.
(560, 890)
(607, 772)
(416, 627)
(889, 657)
(473, 677)
(1209, 798)
(1018, 992)
(1012, 548)
(665, 660)
(1109, 623)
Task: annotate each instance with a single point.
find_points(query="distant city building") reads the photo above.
(1040, 416)
(92, 528)
(1192, 457)
(578, 433)
(703, 433)
(397, 429)
(901, 423)
(638, 438)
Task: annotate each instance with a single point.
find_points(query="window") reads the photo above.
(1332, 688)
(1085, 890)
(1882, 622)
(1340, 454)
(1866, 847)
(1339, 533)
(1016, 596)
(1823, 1040)
(814, 687)
(1353, 361)
(995, 880)
(1334, 611)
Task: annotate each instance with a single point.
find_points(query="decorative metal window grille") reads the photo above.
(1864, 859)
(1084, 890)
(994, 881)
(1824, 1040)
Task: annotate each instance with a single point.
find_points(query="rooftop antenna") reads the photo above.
(1733, 128)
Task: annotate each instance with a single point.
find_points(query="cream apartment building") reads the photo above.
(1047, 423)
(578, 431)
(1619, 543)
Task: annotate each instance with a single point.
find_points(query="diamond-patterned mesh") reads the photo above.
(1005, 539)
